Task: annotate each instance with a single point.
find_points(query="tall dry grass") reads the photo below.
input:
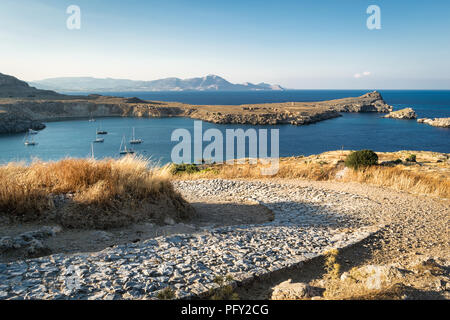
(312, 171)
(97, 188)
(398, 178)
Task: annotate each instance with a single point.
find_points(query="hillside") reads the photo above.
(11, 87)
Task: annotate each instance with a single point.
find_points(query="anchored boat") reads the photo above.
(123, 147)
(134, 140)
(28, 141)
(100, 130)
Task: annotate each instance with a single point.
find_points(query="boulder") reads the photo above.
(293, 291)
(374, 277)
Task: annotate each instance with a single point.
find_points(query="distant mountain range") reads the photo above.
(89, 84)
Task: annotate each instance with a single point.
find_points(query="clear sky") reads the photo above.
(297, 44)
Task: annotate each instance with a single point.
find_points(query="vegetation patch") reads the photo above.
(360, 159)
(83, 193)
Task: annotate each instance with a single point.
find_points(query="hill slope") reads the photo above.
(11, 87)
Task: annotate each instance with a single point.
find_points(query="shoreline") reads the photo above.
(19, 115)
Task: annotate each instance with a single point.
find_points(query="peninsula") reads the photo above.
(23, 107)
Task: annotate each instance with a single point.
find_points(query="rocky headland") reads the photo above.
(20, 111)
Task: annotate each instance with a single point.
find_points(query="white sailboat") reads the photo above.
(100, 130)
(92, 151)
(91, 119)
(98, 140)
(134, 140)
(123, 147)
(29, 142)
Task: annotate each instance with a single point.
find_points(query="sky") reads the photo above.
(316, 44)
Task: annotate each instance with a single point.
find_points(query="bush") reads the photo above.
(411, 158)
(184, 168)
(362, 158)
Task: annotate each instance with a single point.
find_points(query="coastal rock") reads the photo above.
(436, 122)
(407, 113)
(12, 121)
(369, 102)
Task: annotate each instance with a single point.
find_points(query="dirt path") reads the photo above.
(417, 227)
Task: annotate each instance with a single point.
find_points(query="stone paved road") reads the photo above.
(308, 221)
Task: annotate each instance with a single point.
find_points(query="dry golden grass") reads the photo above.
(312, 171)
(341, 290)
(403, 180)
(431, 176)
(99, 191)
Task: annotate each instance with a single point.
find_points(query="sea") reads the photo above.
(353, 131)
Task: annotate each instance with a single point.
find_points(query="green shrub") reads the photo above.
(225, 291)
(411, 158)
(166, 294)
(397, 161)
(184, 168)
(362, 158)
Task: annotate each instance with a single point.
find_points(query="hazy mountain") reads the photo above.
(88, 84)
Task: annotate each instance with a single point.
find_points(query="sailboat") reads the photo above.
(98, 140)
(134, 140)
(92, 151)
(91, 119)
(100, 131)
(31, 131)
(29, 142)
(125, 150)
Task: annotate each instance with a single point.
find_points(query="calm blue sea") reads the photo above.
(352, 131)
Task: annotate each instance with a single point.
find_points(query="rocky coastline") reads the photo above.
(23, 107)
(19, 114)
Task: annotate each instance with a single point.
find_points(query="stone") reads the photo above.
(292, 291)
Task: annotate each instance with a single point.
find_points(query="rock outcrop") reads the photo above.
(369, 102)
(14, 121)
(407, 113)
(436, 122)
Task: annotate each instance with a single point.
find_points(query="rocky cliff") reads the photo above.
(369, 102)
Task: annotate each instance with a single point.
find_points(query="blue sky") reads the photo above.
(297, 44)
